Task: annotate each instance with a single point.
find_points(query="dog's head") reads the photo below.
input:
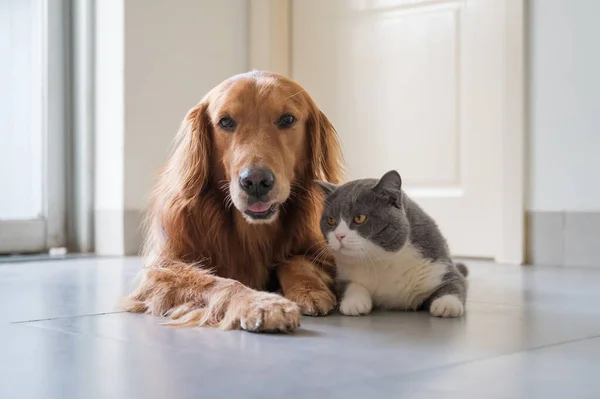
(254, 137)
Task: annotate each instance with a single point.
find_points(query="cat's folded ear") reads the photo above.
(326, 187)
(390, 185)
(390, 181)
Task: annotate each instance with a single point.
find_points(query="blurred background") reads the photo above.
(488, 109)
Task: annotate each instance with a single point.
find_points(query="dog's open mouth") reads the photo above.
(261, 210)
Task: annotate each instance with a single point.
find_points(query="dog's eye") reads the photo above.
(286, 121)
(227, 123)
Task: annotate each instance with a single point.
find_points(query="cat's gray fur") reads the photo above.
(393, 221)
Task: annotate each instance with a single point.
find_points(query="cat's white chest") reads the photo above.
(402, 280)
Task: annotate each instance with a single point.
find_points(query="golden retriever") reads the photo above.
(236, 211)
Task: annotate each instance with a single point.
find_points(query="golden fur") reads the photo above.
(207, 264)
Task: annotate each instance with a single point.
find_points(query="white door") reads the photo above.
(420, 87)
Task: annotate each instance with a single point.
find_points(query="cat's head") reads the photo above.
(365, 217)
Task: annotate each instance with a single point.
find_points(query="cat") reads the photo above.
(389, 252)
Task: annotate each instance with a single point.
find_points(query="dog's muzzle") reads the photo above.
(257, 183)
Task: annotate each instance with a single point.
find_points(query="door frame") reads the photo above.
(269, 48)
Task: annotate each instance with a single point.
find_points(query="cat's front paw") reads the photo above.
(447, 306)
(356, 303)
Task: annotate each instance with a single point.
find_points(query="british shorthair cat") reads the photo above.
(389, 252)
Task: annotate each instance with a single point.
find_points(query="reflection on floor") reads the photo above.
(529, 332)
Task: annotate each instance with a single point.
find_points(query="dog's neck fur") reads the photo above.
(252, 250)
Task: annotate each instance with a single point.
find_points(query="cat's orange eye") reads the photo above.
(331, 221)
(360, 219)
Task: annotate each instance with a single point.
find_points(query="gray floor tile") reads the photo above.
(568, 370)
(46, 364)
(41, 290)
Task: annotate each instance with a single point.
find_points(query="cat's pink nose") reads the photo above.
(340, 237)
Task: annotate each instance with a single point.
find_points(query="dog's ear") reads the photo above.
(189, 165)
(326, 152)
(185, 177)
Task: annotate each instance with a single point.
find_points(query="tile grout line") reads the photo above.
(466, 362)
(532, 349)
(65, 317)
(94, 335)
(537, 348)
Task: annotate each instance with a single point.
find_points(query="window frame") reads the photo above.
(49, 230)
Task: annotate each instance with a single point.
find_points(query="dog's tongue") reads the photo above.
(260, 207)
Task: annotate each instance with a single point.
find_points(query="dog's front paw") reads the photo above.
(269, 312)
(313, 302)
(447, 306)
(356, 302)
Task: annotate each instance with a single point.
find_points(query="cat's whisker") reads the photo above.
(363, 250)
(322, 242)
(321, 255)
(371, 256)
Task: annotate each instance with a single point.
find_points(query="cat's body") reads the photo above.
(389, 252)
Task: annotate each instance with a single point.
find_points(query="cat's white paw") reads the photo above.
(356, 301)
(447, 306)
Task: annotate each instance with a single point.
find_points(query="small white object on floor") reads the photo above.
(60, 251)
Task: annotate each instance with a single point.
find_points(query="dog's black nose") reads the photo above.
(257, 182)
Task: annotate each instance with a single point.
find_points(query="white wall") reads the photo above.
(155, 60)
(175, 52)
(565, 105)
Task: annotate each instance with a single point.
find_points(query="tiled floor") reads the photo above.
(529, 332)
